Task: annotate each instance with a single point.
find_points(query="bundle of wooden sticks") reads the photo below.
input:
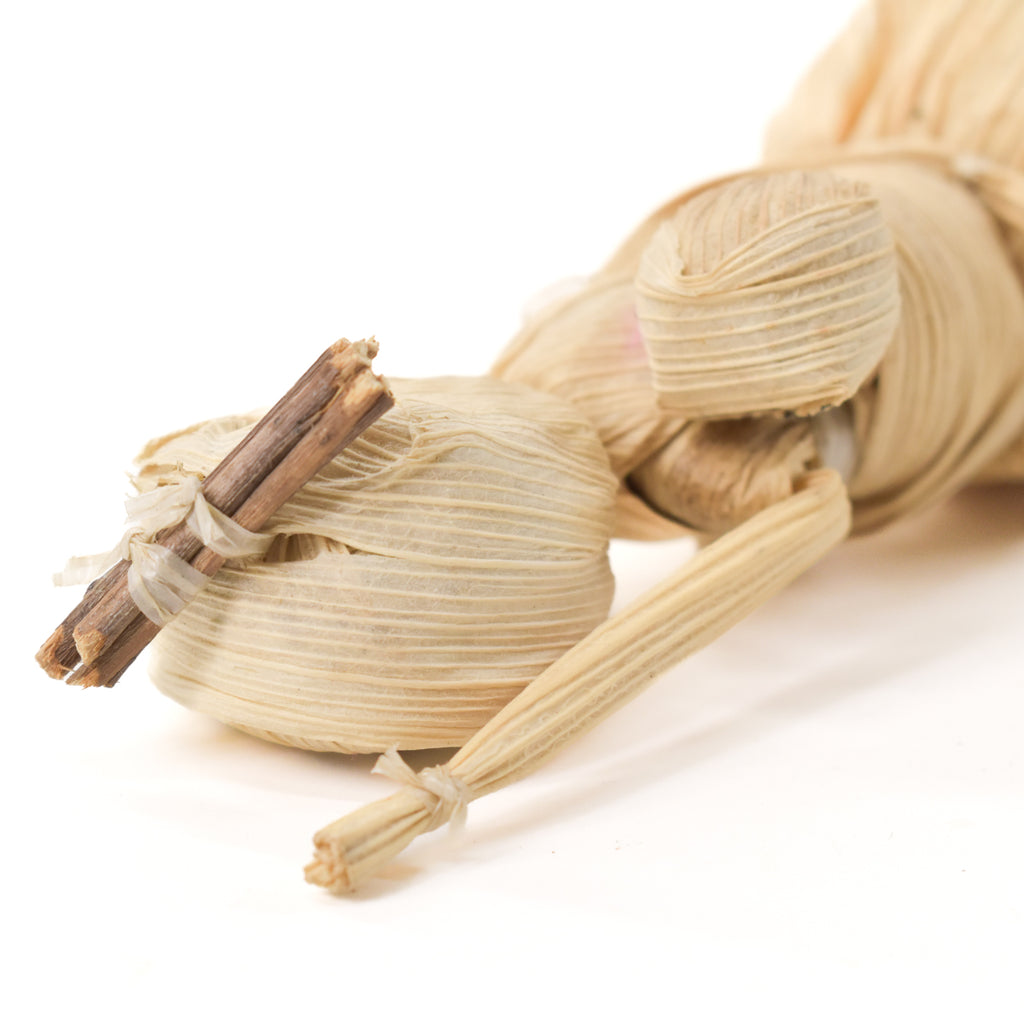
(333, 402)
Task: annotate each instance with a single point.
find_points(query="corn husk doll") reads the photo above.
(770, 361)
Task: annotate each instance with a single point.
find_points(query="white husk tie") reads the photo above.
(447, 796)
(160, 582)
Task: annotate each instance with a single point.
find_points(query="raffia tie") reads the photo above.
(160, 582)
(450, 795)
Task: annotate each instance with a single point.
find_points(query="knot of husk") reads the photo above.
(770, 293)
(447, 795)
(160, 582)
(355, 847)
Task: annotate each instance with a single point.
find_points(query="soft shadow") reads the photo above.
(241, 757)
(868, 582)
(871, 581)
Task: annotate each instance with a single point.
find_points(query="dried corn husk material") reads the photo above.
(859, 305)
(914, 71)
(587, 348)
(768, 293)
(936, 83)
(715, 474)
(160, 582)
(869, 277)
(1008, 467)
(940, 78)
(949, 394)
(941, 358)
(830, 295)
(723, 583)
(437, 566)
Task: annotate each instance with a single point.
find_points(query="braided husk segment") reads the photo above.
(770, 293)
(940, 82)
(947, 72)
(909, 311)
(948, 397)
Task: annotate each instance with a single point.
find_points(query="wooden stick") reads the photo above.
(334, 401)
(316, 449)
(59, 655)
(225, 488)
(230, 483)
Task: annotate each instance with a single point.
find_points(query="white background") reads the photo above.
(819, 818)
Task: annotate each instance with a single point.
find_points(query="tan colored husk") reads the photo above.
(875, 266)
(587, 348)
(879, 218)
(767, 293)
(940, 82)
(618, 660)
(949, 394)
(939, 410)
(715, 474)
(436, 567)
(914, 71)
(932, 85)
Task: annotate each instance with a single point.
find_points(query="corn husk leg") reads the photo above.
(619, 659)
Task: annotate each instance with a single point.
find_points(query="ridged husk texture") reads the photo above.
(870, 270)
(861, 295)
(437, 566)
(877, 262)
(939, 83)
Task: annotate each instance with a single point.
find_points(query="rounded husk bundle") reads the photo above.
(414, 587)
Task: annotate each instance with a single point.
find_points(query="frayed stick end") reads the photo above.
(49, 655)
